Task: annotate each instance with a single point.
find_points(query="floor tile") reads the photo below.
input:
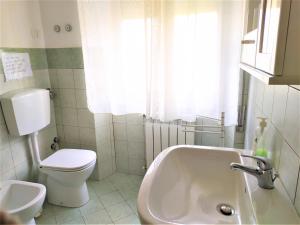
(118, 177)
(131, 219)
(64, 214)
(132, 204)
(92, 206)
(78, 220)
(119, 211)
(99, 217)
(46, 219)
(128, 193)
(103, 187)
(48, 209)
(111, 199)
(136, 179)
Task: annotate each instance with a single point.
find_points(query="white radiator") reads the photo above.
(159, 136)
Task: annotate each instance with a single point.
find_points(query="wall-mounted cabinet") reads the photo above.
(271, 42)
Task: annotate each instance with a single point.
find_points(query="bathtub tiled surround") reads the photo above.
(129, 143)
(15, 157)
(77, 127)
(75, 123)
(281, 105)
(105, 144)
(112, 201)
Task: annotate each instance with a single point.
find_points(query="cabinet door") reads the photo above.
(249, 42)
(272, 34)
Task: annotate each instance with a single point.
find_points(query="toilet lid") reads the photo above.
(69, 159)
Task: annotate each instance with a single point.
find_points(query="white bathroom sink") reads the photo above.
(185, 185)
(22, 199)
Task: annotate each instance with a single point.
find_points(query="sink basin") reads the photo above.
(22, 199)
(189, 185)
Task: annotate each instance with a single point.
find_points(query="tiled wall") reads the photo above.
(75, 123)
(15, 157)
(281, 105)
(105, 144)
(129, 143)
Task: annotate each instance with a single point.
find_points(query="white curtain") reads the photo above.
(168, 59)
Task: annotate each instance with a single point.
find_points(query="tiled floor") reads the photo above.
(112, 201)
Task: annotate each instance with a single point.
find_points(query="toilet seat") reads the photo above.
(69, 160)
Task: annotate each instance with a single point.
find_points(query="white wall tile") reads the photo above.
(105, 169)
(259, 93)
(87, 137)
(136, 166)
(42, 79)
(289, 169)
(268, 100)
(53, 78)
(103, 134)
(71, 134)
(45, 138)
(81, 99)
(24, 171)
(65, 78)
(67, 98)
(58, 115)
(119, 118)
(56, 100)
(120, 131)
(85, 118)
(69, 116)
(105, 151)
(103, 119)
(273, 144)
(60, 132)
(135, 132)
(6, 161)
(135, 118)
(279, 106)
(52, 115)
(10, 175)
(121, 147)
(3, 136)
(136, 149)
(122, 162)
(79, 78)
(20, 151)
(292, 120)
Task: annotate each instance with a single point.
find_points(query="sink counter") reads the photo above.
(187, 184)
(270, 206)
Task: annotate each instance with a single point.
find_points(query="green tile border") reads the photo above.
(64, 58)
(38, 57)
(50, 58)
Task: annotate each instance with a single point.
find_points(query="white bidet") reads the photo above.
(22, 199)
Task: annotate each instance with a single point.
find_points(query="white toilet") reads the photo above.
(28, 111)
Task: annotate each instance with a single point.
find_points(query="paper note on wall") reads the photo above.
(16, 65)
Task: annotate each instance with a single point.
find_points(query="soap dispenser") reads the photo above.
(260, 137)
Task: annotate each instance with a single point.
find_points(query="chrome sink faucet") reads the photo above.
(264, 171)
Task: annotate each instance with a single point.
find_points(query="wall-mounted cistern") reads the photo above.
(264, 171)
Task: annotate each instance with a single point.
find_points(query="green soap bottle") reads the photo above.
(259, 146)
